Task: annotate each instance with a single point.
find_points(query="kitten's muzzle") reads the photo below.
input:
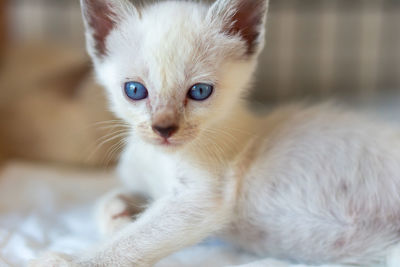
(165, 131)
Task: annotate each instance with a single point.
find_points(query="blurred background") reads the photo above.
(52, 111)
(57, 136)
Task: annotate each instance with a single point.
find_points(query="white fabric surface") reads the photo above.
(50, 208)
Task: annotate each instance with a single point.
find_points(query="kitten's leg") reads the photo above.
(180, 219)
(117, 209)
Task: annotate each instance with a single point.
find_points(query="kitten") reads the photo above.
(310, 185)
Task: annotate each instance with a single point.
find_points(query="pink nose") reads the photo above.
(165, 132)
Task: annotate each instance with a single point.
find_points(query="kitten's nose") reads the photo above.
(165, 132)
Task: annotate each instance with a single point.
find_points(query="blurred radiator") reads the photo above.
(320, 48)
(314, 47)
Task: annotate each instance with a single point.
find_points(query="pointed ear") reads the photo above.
(244, 18)
(100, 18)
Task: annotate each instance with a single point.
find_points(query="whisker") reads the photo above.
(113, 150)
(110, 134)
(109, 139)
(109, 123)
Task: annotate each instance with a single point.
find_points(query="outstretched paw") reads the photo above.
(118, 209)
(53, 260)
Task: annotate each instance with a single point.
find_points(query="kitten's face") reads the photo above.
(173, 70)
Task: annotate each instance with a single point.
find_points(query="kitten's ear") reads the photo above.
(245, 18)
(100, 18)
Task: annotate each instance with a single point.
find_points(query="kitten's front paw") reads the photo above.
(118, 209)
(53, 260)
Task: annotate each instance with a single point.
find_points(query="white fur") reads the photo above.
(309, 185)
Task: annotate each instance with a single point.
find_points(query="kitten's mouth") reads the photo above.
(171, 142)
(165, 142)
(168, 143)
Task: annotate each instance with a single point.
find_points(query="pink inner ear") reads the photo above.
(99, 15)
(247, 22)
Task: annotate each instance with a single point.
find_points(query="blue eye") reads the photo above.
(200, 91)
(136, 91)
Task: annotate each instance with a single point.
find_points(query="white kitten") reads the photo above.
(309, 185)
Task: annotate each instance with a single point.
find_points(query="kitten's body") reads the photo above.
(313, 185)
(294, 188)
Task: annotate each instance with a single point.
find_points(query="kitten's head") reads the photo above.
(174, 68)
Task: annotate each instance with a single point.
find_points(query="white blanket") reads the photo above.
(50, 208)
